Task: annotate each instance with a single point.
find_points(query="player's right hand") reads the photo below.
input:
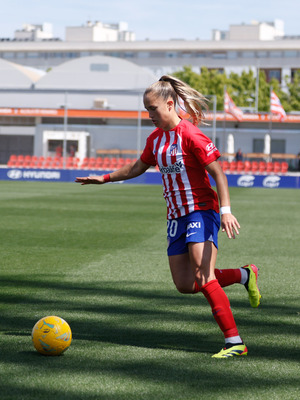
(89, 180)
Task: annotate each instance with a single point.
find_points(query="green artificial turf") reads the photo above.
(96, 256)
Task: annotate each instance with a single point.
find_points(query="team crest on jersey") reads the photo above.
(173, 149)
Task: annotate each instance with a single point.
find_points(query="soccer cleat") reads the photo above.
(232, 350)
(251, 285)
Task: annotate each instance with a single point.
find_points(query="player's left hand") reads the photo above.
(230, 225)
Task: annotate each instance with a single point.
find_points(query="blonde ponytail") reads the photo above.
(194, 102)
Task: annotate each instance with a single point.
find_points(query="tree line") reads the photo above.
(242, 88)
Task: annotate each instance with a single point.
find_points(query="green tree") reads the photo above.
(242, 88)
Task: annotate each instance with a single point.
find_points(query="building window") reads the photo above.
(258, 145)
(275, 54)
(143, 54)
(290, 53)
(272, 73)
(248, 54)
(32, 55)
(171, 54)
(232, 55)
(261, 54)
(278, 146)
(186, 55)
(8, 55)
(219, 55)
(129, 54)
(294, 72)
(99, 67)
(200, 55)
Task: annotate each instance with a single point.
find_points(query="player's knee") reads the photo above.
(184, 288)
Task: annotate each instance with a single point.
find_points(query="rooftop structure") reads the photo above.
(99, 32)
(30, 32)
(254, 31)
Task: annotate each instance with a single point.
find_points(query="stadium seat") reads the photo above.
(120, 163)
(232, 167)
(240, 167)
(12, 161)
(225, 165)
(247, 166)
(262, 167)
(84, 163)
(276, 167)
(91, 163)
(284, 167)
(254, 167)
(270, 167)
(99, 162)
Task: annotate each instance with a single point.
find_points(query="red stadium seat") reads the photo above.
(254, 167)
(262, 166)
(284, 167)
(270, 167)
(240, 166)
(247, 166)
(225, 165)
(277, 167)
(232, 166)
(12, 160)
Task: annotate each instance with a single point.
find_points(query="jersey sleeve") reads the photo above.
(204, 149)
(147, 155)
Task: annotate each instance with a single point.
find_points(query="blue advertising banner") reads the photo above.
(150, 178)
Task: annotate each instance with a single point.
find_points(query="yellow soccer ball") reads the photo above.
(51, 336)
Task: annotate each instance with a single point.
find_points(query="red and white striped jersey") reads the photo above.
(182, 155)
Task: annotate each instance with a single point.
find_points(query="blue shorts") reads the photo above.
(196, 227)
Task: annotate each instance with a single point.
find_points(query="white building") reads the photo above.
(99, 32)
(30, 32)
(254, 31)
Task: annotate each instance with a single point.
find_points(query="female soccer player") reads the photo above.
(185, 156)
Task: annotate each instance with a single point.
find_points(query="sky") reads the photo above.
(151, 19)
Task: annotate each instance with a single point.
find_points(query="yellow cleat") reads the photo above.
(232, 351)
(251, 285)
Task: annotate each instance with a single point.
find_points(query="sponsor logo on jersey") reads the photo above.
(174, 168)
(271, 181)
(173, 149)
(210, 148)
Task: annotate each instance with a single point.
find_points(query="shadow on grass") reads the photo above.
(132, 315)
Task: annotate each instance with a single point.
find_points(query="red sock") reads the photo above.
(220, 307)
(228, 277)
(197, 288)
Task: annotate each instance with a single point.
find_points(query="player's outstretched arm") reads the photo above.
(129, 171)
